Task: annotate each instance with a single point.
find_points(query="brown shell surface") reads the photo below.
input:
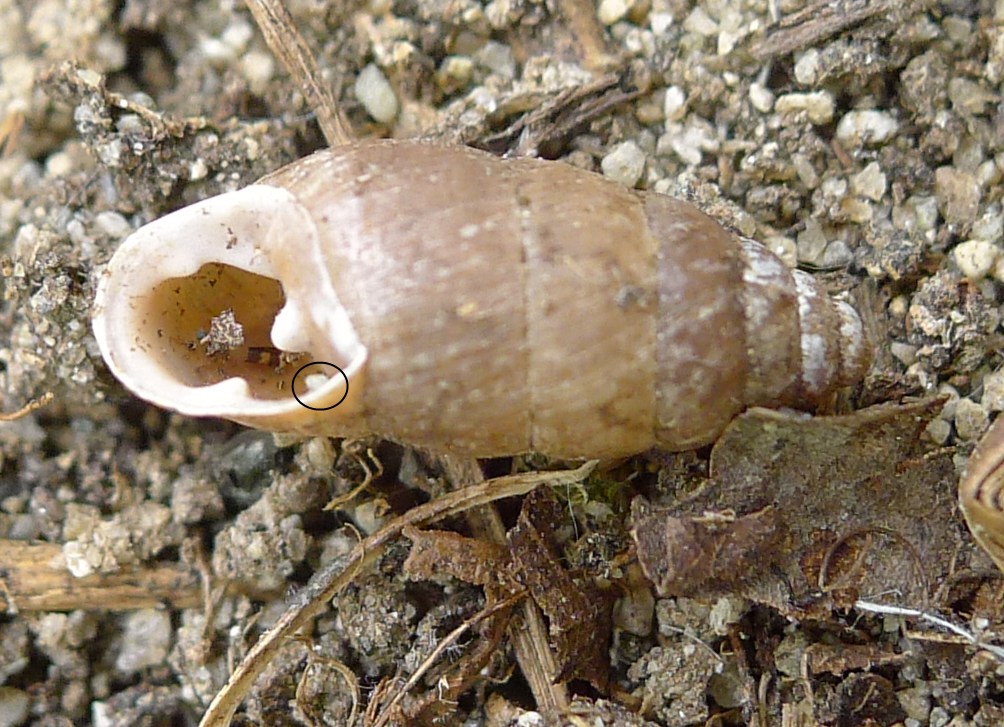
(981, 493)
(523, 305)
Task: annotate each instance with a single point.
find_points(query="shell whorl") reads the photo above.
(981, 492)
(493, 307)
(830, 351)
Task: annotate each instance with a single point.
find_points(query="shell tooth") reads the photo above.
(290, 331)
(212, 310)
(233, 389)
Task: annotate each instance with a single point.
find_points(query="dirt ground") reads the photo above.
(801, 571)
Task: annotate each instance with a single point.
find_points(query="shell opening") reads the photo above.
(217, 324)
(211, 311)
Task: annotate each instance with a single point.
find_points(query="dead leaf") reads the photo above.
(579, 613)
(812, 513)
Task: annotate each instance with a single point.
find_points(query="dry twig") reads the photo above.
(335, 576)
(288, 45)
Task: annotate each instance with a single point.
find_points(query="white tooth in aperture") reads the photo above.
(290, 330)
(228, 390)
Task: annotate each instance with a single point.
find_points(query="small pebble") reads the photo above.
(624, 163)
(939, 717)
(993, 391)
(812, 243)
(687, 143)
(660, 22)
(989, 227)
(948, 410)
(197, 170)
(939, 431)
(903, 352)
(14, 705)
(958, 194)
(971, 420)
(675, 105)
(113, 224)
(870, 182)
(785, 248)
(837, 255)
(610, 11)
(700, 23)
(818, 106)
(975, 258)
(376, 95)
(146, 640)
(807, 67)
(761, 98)
(866, 127)
(497, 58)
(968, 97)
(258, 68)
(455, 72)
(530, 719)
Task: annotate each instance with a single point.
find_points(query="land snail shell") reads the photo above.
(981, 493)
(478, 306)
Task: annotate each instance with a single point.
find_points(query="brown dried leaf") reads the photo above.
(435, 553)
(579, 613)
(681, 554)
(828, 508)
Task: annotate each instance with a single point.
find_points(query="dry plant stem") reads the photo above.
(10, 129)
(585, 26)
(966, 636)
(347, 674)
(288, 45)
(820, 20)
(349, 496)
(442, 646)
(27, 408)
(35, 578)
(530, 639)
(336, 575)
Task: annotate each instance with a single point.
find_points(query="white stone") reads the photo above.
(818, 106)
(14, 704)
(993, 391)
(870, 182)
(610, 11)
(785, 248)
(146, 640)
(376, 95)
(700, 23)
(971, 420)
(660, 22)
(866, 127)
(989, 227)
(975, 258)
(624, 163)
(761, 97)
(675, 104)
(807, 67)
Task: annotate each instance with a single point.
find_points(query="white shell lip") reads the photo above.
(146, 291)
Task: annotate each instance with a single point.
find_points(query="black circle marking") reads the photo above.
(317, 408)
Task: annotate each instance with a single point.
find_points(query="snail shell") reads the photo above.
(981, 493)
(476, 305)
